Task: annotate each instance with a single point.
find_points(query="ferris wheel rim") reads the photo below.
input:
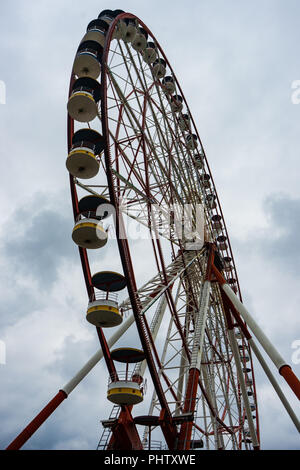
(122, 251)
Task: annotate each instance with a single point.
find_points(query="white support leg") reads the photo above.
(200, 327)
(257, 331)
(240, 375)
(274, 383)
(69, 387)
(154, 328)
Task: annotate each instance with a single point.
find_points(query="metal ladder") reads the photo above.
(106, 434)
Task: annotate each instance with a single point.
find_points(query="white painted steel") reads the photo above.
(240, 374)
(255, 328)
(154, 328)
(274, 384)
(200, 327)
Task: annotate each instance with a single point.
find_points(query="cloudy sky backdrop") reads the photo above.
(236, 62)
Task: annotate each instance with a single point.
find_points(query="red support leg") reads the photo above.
(291, 379)
(184, 441)
(125, 435)
(37, 421)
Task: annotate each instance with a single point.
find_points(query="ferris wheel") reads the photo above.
(145, 206)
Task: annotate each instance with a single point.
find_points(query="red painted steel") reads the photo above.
(34, 425)
(291, 379)
(125, 435)
(184, 440)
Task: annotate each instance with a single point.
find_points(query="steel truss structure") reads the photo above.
(188, 314)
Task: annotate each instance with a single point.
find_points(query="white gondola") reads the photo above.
(184, 122)
(150, 54)
(109, 15)
(159, 68)
(222, 245)
(89, 233)
(205, 180)
(210, 201)
(119, 30)
(124, 392)
(176, 103)
(82, 104)
(104, 313)
(139, 43)
(199, 161)
(82, 160)
(103, 310)
(169, 85)
(216, 222)
(87, 60)
(126, 388)
(96, 31)
(128, 29)
(191, 141)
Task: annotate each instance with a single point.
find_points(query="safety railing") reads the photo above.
(129, 376)
(101, 295)
(84, 144)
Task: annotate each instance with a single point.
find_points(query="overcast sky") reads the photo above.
(236, 62)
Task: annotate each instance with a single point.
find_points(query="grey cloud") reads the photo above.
(40, 239)
(278, 243)
(72, 355)
(36, 245)
(284, 215)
